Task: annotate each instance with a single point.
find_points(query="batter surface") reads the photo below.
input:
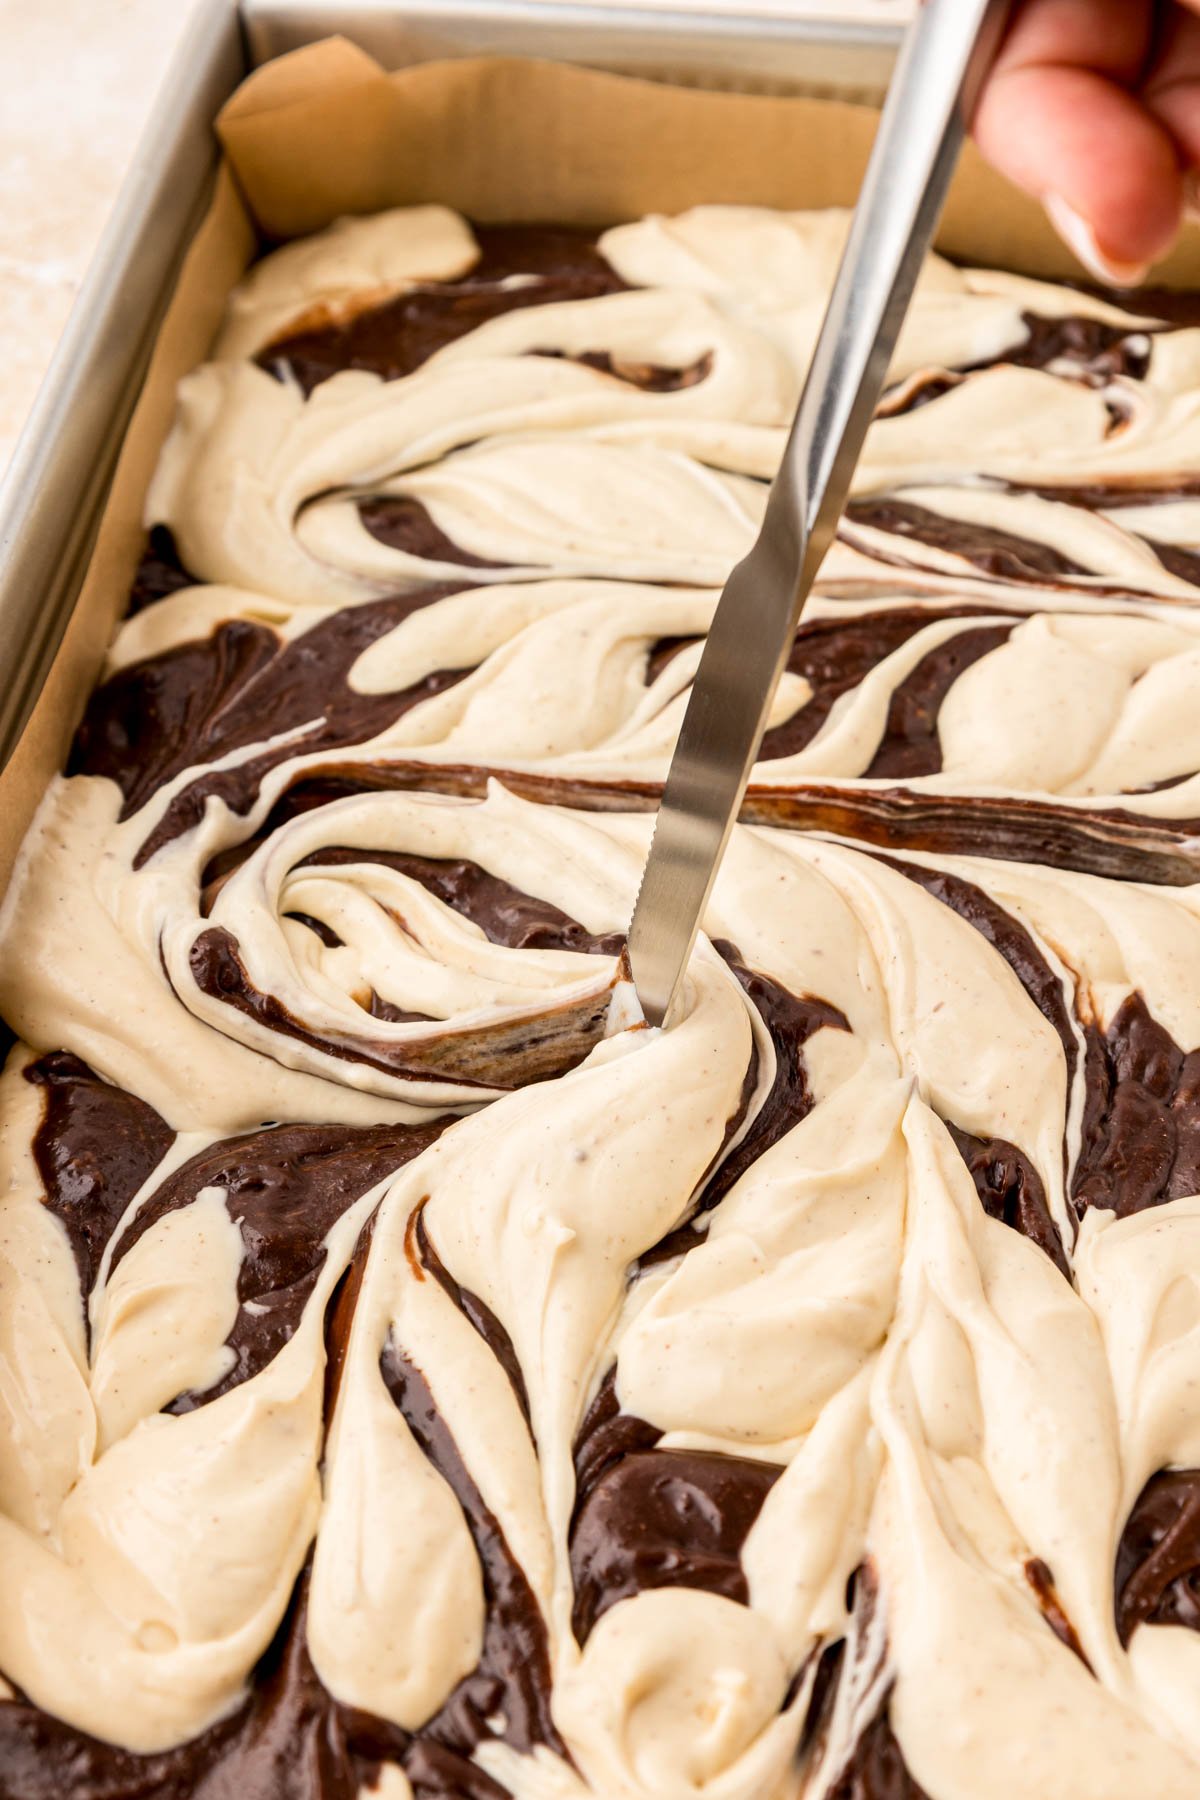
(418, 1378)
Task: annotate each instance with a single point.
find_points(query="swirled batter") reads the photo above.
(419, 1379)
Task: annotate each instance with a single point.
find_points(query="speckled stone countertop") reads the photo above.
(79, 81)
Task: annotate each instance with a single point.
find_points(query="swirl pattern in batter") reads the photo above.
(418, 1378)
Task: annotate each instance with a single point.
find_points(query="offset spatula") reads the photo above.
(946, 55)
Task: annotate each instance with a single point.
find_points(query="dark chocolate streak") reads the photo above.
(1100, 497)
(159, 572)
(1097, 496)
(834, 655)
(404, 524)
(285, 1188)
(1008, 937)
(202, 701)
(1008, 1185)
(1141, 1122)
(218, 971)
(662, 652)
(318, 927)
(339, 1315)
(1011, 1190)
(1157, 1578)
(289, 1740)
(875, 1768)
(427, 1262)
(394, 339)
(380, 1008)
(1098, 351)
(1185, 564)
(1140, 1138)
(650, 1518)
(651, 378)
(665, 1518)
(1110, 841)
(94, 1148)
(1040, 1577)
(790, 1021)
(504, 913)
(606, 1436)
(513, 1674)
(509, 1054)
(1177, 307)
(995, 552)
(910, 746)
(548, 1044)
(918, 390)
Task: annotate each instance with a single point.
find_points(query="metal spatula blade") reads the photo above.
(946, 55)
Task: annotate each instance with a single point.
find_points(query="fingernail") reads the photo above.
(1081, 240)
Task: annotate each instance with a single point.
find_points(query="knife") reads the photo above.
(946, 55)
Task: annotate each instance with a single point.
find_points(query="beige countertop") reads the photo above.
(80, 77)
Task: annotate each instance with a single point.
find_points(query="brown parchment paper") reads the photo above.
(325, 131)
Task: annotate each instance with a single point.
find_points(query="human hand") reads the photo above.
(1094, 108)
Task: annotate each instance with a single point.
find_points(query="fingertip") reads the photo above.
(1108, 168)
(1078, 234)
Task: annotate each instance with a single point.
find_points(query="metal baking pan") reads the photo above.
(62, 468)
(740, 47)
(58, 481)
